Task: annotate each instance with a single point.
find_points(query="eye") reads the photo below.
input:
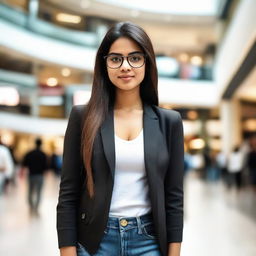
(135, 58)
(115, 59)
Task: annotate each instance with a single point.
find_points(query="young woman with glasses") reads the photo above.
(121, 190)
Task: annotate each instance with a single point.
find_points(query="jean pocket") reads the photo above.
(149, 231)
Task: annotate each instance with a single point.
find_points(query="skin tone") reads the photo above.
(128, 108)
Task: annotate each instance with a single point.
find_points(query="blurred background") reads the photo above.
(206, 56)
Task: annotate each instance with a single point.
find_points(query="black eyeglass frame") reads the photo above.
(141, 54)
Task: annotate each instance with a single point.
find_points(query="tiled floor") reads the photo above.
(217, 222)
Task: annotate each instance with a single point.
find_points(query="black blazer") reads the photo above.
(81, 219)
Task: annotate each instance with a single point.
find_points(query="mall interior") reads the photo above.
(205, 54)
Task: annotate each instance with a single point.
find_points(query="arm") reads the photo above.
(70, 186)
(174, 187)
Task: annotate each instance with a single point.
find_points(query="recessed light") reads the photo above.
(69, 18)
(52, 81)
(66, 72)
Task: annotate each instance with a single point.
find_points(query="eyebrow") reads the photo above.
(130, 53)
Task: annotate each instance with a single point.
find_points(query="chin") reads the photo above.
(127, 87)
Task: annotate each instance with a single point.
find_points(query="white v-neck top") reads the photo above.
(130, 196)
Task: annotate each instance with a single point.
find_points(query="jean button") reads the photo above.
(124, 222)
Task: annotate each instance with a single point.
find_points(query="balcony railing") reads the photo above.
(36, 25)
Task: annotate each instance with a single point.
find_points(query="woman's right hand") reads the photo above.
(68, 251)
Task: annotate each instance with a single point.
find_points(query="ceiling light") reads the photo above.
(197, 144)
(52, 81)
(64, 17)
(191, 114)
(66, 72)
(196, 60)
(250, 125)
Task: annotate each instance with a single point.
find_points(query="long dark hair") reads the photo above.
(103, 91)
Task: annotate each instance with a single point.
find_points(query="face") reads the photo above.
(126, 77)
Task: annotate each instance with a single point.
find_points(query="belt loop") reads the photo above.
(139, 224)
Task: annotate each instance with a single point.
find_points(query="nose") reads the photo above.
(125, 65)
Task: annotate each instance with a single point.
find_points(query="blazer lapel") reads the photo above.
(151, 139)
(107, 135)
(151, 132)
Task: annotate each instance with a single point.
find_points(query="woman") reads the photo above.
(121, 190)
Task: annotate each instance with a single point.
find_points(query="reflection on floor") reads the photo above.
(217, 222)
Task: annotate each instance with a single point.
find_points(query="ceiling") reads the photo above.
(181, 11)
(175, 27)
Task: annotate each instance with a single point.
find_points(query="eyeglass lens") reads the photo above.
(134, 60)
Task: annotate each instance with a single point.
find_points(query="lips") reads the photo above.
(125, 77)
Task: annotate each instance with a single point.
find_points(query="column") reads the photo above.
(230, 116)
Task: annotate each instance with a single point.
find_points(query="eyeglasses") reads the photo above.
(135, 60)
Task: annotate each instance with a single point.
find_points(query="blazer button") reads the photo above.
(83, 216)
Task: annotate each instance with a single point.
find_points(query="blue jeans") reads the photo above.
(35, 190)
(133, 236)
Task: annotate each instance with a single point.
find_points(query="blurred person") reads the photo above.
(221, 161)
(10, 178)
(197, 162)
(36, 163)
(207, 162)
(187, 160)
(56, 163)
(251, 163)
(213, 172)
(6, 166)
(187, 164)
(126, 184)
(235, 167)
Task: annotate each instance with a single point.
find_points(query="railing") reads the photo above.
(10, 77)
(90, 40)
(44, 28)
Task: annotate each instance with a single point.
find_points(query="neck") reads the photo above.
(128, 100)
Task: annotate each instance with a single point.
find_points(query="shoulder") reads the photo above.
(167, 114)
(77, 113)
(78, 109)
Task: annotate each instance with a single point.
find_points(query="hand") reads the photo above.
(174, 249)
(68, 251)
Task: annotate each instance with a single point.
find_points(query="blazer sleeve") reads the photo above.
(70, 184)
(174, 181)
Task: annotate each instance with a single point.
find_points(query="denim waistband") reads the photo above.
(134, 221)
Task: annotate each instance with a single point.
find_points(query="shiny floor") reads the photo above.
(218, 222)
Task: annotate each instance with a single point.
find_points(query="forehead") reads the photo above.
(124, 46)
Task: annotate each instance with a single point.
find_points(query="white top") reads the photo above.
(6, 164)
(130, 196)
(235, 162)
